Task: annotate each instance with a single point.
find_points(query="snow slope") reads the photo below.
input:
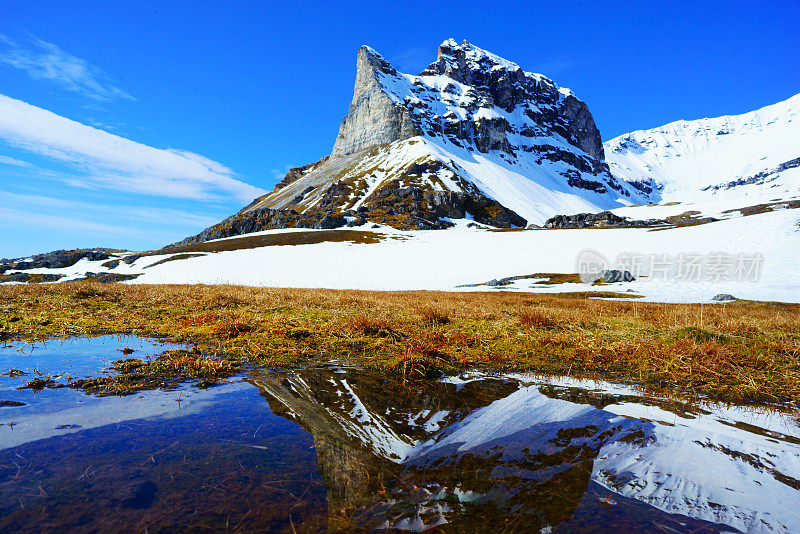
(443, 260)
(447, 259)
(745, 158)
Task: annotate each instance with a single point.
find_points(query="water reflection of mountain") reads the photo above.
(494, 454)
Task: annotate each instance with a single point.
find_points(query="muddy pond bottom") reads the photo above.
(341, 449)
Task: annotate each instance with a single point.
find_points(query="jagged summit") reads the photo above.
(472, 136)
(458, 97)
(458, 60)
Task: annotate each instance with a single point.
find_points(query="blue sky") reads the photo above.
(134, 124)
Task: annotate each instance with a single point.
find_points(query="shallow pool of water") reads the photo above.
(341, 449)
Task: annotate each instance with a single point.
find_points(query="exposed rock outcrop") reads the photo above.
(591, 220)
(505, 85)
(296, 173)
(31, 278)
(266, 219)
(58, 259)
(610, 276)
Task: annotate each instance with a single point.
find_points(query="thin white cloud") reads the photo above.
(6, 160)
(56, 222)
(109, 161)
(46, 61)
(107, 211)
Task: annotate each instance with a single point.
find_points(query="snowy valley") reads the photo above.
(454, 177)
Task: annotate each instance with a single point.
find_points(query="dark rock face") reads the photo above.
(57, 259)
(506, 85)
(723, 297)
(590, 220)
(589, 185)
(415, 208)
(611, 276)
(266, 219)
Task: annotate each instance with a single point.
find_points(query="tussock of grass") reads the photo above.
(742, 351)
(433, 315)
(537, 318)
(371, 325)
(234, 328)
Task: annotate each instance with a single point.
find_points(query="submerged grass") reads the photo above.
(742, 351)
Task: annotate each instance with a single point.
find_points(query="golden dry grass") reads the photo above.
(738, 351)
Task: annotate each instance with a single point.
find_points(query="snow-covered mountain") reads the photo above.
(475, 139)
(747, 158)
(472, 136)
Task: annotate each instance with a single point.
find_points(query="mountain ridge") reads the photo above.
(754, 154)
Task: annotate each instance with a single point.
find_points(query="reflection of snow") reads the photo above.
(39, 420)
(381, 436)
(48, 409)
(728, 465)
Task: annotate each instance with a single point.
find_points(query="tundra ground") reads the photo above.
(741, 351)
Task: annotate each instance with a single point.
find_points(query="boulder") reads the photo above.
(615, 275)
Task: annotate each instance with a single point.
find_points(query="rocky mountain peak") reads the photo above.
(463, 97)
(368, 62)
(473, 136)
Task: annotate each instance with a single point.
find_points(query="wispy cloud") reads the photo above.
(6, 160)
(105, 160)
(46, 61)
(107, 211)
(57, 222)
